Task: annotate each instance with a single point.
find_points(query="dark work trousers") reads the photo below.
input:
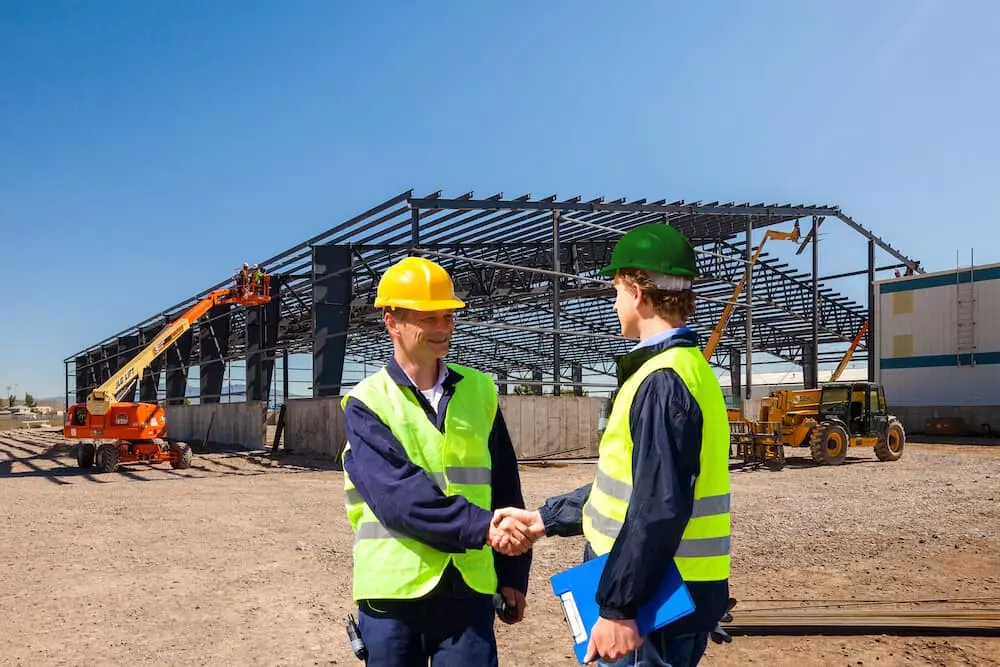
(451, 627)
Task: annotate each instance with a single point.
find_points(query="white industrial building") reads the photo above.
(937, 347)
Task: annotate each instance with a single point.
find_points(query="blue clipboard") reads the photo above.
(576, 589)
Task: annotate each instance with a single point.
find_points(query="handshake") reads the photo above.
(513, 531)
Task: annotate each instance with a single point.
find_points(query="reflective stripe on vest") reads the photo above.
(387, 563)
(704, 551)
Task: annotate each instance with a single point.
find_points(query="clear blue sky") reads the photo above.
(147, 148)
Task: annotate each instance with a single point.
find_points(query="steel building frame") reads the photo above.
(530, 310)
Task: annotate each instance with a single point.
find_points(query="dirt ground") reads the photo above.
(238, 561)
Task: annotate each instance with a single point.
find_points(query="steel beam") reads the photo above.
(690, 209)
(913, 264)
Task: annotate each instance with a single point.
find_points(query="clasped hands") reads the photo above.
(513, 531)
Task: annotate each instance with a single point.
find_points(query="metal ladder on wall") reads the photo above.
(966, 316)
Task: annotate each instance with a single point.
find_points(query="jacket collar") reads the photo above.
(627, 364)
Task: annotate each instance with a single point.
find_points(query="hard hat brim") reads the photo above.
(423, 306)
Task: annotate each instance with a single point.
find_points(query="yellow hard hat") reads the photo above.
(416, 283)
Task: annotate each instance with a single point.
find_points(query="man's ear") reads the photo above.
(636, 293)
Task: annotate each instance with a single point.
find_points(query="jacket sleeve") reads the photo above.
(511, 571)
(563, 515)
(666, 427)
(401, 495)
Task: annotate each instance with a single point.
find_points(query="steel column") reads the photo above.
(734, 372)
(109, 360)
(128, 347)
(272, 317)
(81, 376)
(556, 268)
(150, 385)
(813, 357)
(284, 376)
(254, 354)
(870, 334)
(810, 372)
(415, 225)
(332, 292)
(577, 378)
(178, 360)
(213, 346)
(749, 307)
(262, 335)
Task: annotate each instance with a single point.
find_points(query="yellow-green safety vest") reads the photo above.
(704, 551)
(388, 564)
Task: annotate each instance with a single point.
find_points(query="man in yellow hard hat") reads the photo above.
(662, 485)
(427, 463)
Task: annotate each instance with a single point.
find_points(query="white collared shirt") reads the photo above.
(434, 394)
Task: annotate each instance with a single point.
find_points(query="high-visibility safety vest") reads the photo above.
(388, 564)
(704, 551)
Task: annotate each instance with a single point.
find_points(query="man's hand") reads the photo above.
(508, 535)
(529, 529)
(515, 600)
(513, 531)
(612, 640)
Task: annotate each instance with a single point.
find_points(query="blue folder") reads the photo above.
(576, 589)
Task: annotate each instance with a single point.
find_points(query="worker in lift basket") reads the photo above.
(243, 280)
(662, 482)
(428, 460)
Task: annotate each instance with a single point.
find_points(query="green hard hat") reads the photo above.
(654, 247)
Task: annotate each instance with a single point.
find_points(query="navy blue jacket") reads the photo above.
(665, 423)
(406, 499)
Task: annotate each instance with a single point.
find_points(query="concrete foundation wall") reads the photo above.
(914, 418)
(235, 426)
(565, 426)
(315, 426)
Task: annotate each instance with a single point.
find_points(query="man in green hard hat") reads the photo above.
(662, 484)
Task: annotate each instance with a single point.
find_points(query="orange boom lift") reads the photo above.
(116, 431)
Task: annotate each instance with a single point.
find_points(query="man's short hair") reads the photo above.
(668, 304)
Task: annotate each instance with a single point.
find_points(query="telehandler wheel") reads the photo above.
(107, 458)
(184, 455)
(890, 448)
(828, 444)
(85, 455)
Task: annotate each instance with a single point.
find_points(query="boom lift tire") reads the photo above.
(107, 458)
(184, 455)
(85, 455)
(828, 444)
(890, 448)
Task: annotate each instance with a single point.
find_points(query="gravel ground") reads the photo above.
(240, 561)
